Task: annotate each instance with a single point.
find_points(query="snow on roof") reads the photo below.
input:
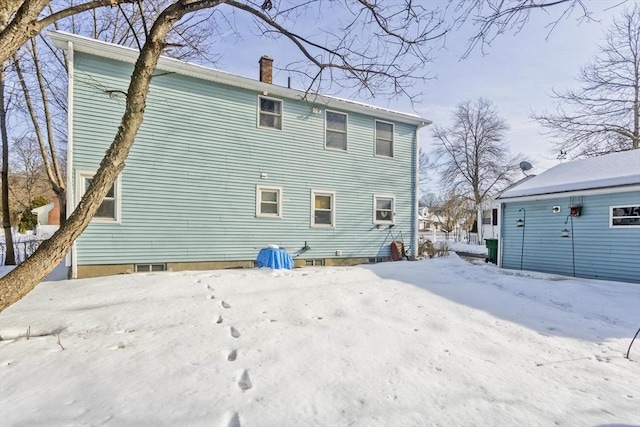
(610, 170)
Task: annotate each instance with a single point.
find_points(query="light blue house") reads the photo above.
(224, 165)
(580, 218)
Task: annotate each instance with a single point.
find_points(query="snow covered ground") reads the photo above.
(438, 342)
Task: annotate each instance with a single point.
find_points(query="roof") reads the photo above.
(609, 171)
(103, 49)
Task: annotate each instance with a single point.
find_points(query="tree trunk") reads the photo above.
(10, 258)
(27, 275)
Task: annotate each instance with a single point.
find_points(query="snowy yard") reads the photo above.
(439, 342)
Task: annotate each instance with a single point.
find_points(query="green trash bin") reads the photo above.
(492, 249)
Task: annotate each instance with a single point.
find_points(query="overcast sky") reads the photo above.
(517, 73)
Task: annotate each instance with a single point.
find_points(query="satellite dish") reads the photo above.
(525, 166)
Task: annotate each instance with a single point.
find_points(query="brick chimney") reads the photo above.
(266, 69)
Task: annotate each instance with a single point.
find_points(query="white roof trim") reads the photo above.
(595, 192)
(125, 54)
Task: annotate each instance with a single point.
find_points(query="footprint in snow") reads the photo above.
(211, 297)
(234, 421)
(225, 305)
(232, 356)
(219, 320)
(234, 332)
(245, 383)
(210, 288)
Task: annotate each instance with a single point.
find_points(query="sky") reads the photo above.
(517, 73)
(436, 342)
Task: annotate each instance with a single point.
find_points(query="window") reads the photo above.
(109, 210)
(490, 217)
(384, 139)
(270, 113)
(336, 130)
(383, 209)
(323, 209)
(486, 217)
(625, 216)
(269, 202)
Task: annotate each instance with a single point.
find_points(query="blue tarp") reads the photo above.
(274, 258)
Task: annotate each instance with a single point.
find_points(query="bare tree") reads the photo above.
(21, 20)
(471, 156)
(493, 18)
(46, 138)
(28, 178)
(604, 115)
(6, 216)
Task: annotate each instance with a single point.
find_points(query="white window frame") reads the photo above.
(259, 190)
(611, 217)
(392, 221)
(81, 175)
(260, 112)
(375, 138)
(346, 130)
(332, 194)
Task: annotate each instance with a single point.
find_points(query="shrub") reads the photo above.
(439, 249)
(29, 220)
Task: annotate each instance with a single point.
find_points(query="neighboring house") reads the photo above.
(580, 218)
(488, 223)
(224, 165)
(435, 219)
(489, 215)
(428, 220)
(48, 214)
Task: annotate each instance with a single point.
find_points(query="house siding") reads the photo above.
(189, 187)
(601, 252)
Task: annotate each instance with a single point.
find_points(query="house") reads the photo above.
(224, 165)
(430, 219)
(580, 218)
(48, 214)
(488, 214)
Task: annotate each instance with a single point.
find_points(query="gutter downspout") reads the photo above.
(500, 234)
(72, 256)
(416, 177)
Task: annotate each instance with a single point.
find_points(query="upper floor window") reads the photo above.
(269, 202)
(270, 115)
(383, 209)
(323, 209)
(384, 139)
(109, 210)
(490, 217)
(336, 130)
(625, 216)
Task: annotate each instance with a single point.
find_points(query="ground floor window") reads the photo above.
(625, 216)
(269, 202)
(323, 209)
(109, 210)
(383, 209)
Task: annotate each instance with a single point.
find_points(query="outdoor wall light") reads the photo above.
(565, 233)
(520, 223)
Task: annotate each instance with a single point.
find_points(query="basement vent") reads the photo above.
(313, 262)
(376, 260)
(146, 268)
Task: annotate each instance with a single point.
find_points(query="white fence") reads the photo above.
(24, 245)
(454, 236)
